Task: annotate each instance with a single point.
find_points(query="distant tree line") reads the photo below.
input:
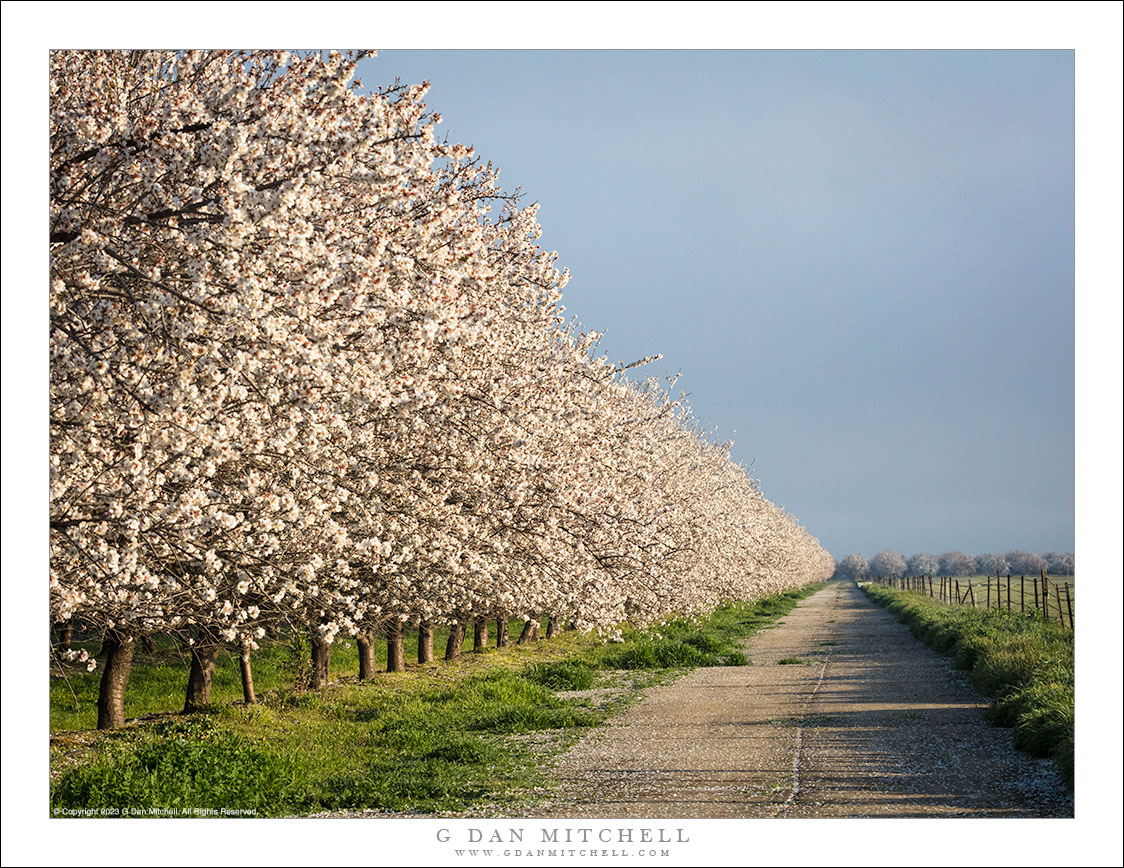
(890, 564)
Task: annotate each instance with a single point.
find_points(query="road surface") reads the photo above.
(866, 723)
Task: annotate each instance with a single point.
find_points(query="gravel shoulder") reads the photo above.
(861, 720)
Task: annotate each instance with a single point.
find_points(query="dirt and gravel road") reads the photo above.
(861, 721)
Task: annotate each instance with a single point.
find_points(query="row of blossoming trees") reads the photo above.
(310, 368)
(890, 564)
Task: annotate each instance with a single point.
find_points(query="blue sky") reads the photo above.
(862, 262)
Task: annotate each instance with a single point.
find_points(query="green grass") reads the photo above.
(193, 762)
(441, 738)
(689, 644)
(159, 678)
(987, 594)
(1021, 662)
(562, 675)
(435, 739)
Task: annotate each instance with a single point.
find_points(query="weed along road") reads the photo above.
(841, 714)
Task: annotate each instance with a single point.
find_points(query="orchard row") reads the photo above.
(309, 367)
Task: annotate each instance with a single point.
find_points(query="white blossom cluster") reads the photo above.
(308, 363)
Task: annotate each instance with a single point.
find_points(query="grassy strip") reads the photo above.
(1023, 597)
(159, 677)
(1020, 661)
(469, 736)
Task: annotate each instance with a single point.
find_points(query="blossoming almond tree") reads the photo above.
(217, 308)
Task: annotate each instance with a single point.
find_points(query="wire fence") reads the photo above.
(1035, 595)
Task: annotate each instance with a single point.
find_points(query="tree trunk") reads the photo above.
(530, 633)
(456, 639)
(501, 632)
(248, 695)
(366, 656)
(119, 652)
(321, 658)
(395, 647)
(554, 627)
(425, 642)
(480, 635)
(200, 677)
(65, 632)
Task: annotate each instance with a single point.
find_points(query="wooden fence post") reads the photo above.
(958, 590)
(1058, 595)
(1022, 593)
(1045, 596)
(1008, 592)
(1036, 595)
(1069, 605)
(972, 595)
